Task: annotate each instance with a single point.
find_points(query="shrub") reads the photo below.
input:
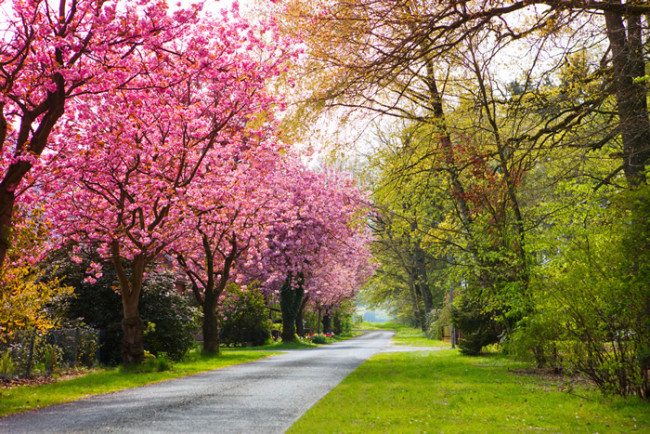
(319, 339)
(7, 368)
(469, 317)
(244, 317)
(436, 322)
(173, 320)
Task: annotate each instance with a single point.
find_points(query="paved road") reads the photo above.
(266, 396)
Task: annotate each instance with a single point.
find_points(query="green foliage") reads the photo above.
(244, 317)
(151, 363)
(471, 318)
(437, 320)
(593, 294)
(172, 319)
(34, 352)
(320, 339)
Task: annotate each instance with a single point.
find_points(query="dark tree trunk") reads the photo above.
(132, 325)
(628, 64)
(415, 299)
(338, 324)
(290, 302)
(421, 279)
(210, 332)
(7, 200)
(132, 341)
(327, 323)
(300, 327)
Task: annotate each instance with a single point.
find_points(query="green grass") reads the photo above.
(416, 338)
(21, 398)
(443, 391)
(391, 325)
(404, 334)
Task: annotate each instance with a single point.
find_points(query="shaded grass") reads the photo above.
(21, 398)
(443, 391)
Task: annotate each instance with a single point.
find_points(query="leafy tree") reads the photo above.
(25, 290)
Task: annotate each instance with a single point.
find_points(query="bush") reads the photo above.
(29, 352)
(244, 318)
(170, 320)
(319, 339)
(469, 317)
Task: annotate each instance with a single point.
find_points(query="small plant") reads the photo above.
(320, 339)
(7, 368)
(150, 364)
(50, 358)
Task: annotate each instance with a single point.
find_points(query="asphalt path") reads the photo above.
(265, 396)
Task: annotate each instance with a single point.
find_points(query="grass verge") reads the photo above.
(443, 391)
(415, 338)
(21, 398)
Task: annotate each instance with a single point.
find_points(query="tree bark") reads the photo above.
(132, 325)
(210, 329)
(628, 64)
(290, 302)
(327, 323)
(132, 341)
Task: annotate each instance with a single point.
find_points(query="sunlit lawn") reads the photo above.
(442, 391)
(404, 334)
(21, 398)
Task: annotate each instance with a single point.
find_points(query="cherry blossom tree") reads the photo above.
(316, 215)
(54, 51)
(124, 167)
(226, 227)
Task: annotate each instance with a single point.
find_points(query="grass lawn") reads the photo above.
(416, 338)
(405, 335)
(21, 398)
(443, 391)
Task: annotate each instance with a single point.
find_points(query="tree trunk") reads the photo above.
(300, 327)
(132, 325)
(628, 64)
(421, 279)
(290, 302)
(210, 331)
(415, 300)
(338, 324)
(327, 323)
(132, 341)
(7, 200)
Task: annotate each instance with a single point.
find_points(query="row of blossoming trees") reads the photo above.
(150, 135)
